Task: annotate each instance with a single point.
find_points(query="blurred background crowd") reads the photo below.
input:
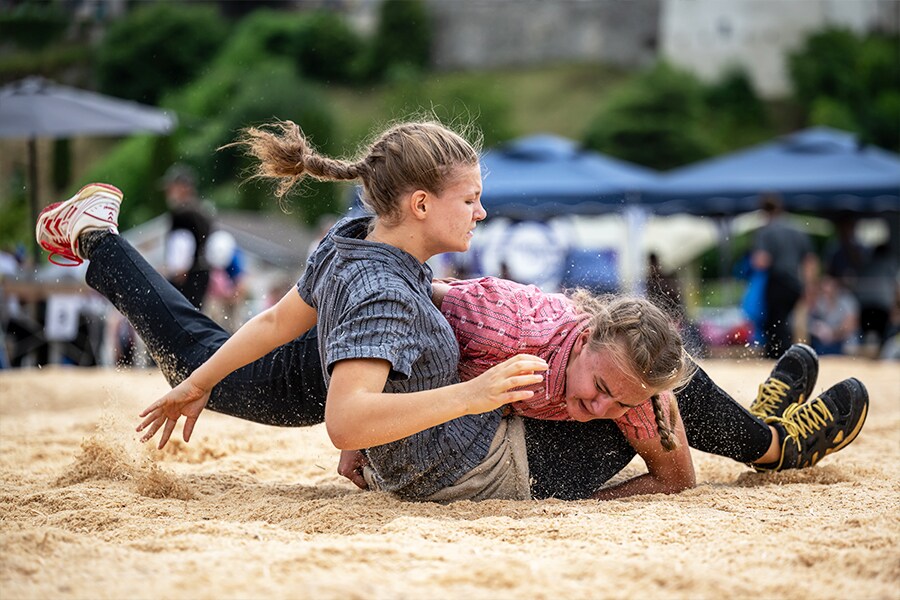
(695, 151)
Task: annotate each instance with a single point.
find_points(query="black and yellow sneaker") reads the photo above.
(819, 427)
(790, 383)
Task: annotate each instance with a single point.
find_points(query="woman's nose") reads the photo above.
(480, 213)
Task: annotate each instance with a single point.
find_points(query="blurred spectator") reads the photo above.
(786, 255)
(891, 347)
(663, 288)
(876, 292)
(275, 291)
(845, 255)
(833, 317)
(186, 266)
(505, 272)
(226, 292)
(9, 305)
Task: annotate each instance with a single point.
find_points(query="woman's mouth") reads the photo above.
(581, 411)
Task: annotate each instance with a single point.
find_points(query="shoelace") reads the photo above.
(801, 420)
(771, 393)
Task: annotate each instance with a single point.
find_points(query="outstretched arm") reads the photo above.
(668, 472)
(278, 325)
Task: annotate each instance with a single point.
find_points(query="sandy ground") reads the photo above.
(248, 511)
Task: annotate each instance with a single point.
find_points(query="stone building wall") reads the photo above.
(492, 33)
(708, 36)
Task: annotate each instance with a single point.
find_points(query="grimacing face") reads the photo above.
(454, 214)
(597, 387)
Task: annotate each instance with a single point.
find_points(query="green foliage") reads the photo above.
(851, 82)
(734, 99)
(131, 166)
(735, 116)
(465, 105)
(655, 119)
(403, 37)
(327, 49)
(833, 113)
(825, 66)
(49, 61)
(158, 47)
(16, 226)
(318, 43)
(267, 92)
(33, 25)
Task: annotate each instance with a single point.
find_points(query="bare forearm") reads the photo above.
(278, 325)
(358, 414)
(367, 420)
(642, 484)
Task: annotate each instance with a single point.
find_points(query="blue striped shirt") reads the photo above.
(374, 301)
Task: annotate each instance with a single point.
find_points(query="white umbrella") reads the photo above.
(38, 108)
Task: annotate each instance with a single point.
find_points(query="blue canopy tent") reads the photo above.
(543, 176)
(819, 170)
(537, 178)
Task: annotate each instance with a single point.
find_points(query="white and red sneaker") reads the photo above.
(95, 206)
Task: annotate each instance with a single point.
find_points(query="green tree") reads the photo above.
(655, 119)
(156, 48)
(326, 49)
(16, 227)
(33, 24)
(852, 82)
(267, 92)
(733, 98)
(402, 40)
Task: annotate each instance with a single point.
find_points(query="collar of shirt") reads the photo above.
(350, 244)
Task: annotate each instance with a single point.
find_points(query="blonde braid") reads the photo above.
(665, 428)
(285, 155)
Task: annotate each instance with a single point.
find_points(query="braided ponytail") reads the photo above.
(286, 155)
(406, 157)
(665, 427)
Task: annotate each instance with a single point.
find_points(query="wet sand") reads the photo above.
(249, 511)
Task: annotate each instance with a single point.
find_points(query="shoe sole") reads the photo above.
(864, 393)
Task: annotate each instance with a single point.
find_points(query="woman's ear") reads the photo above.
(581, 341)
(418, 201)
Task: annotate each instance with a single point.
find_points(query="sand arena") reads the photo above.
(249, 511)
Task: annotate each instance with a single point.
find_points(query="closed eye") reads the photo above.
(601, 387)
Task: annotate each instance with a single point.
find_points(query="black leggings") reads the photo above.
(567, 459)
(285, 387)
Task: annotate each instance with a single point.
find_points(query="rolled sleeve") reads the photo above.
(381, 326)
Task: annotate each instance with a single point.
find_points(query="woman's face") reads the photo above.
(453, 214)
(596, 386)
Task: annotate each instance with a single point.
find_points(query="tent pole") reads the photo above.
(33, 196)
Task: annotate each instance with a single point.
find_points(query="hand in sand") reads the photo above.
(186, 399)
(351, 466)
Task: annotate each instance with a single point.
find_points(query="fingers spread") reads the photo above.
(157, 423)
(167, 432)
